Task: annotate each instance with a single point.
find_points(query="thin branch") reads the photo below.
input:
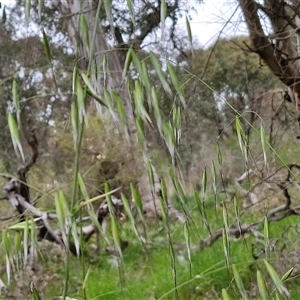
(215, 44)
(150, 22)
(50, 234)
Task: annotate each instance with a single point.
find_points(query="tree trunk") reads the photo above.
(112, 80)
(278, 50)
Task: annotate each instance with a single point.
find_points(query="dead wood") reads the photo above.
(273, 215)
(17, 192)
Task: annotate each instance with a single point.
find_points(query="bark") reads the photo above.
(278, 50)
(115, 52)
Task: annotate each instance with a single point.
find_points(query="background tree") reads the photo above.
(101, 44)
(274, 33)
(23, 61)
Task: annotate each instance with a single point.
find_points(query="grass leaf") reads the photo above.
(75, 123)
(84, 30)
(27, 10)
(262, 287)
(82, 187)
(47, 46)
(127, 63)
(176, 83)
(82, 115)
(239, 282)
(159, 72)
(16, 100)
(276, 280)
(263, 143)
(14, 133)
(189, 31)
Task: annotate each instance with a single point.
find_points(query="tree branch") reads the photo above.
(149, 23)
(273, 55)
(274, 215)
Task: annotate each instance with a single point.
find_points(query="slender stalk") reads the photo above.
(74, 191)
(76, 163)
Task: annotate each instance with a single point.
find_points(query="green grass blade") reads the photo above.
(63, 213)
(242, 138)
(146, 80)
(74, 78)
(188, 245)
(169, 138)
(163, 210)
(159, 72)
(108, 10)
(226, 247)
(239, 132)
(225, 295)
(177, 123)
(287, 274)
(104, 68)
(164, 192)
(110, 103)
(127, 63)
(140, 110)
(6, 240)
(262, 287)
(47, 47)
(88, 83)
(75, 123)
(189, 31)
(278, 296)
(114, 225)
(27, 10)
(84, 283)
(40, 7)
(130, 5)
(239, 283)
(136, 198)
(136, 61)
(163, 10)
(150, 171)
(266, 236)
(84, 30)
(82, 188)
(99, 100)
(219, 153)
(116, 236)
(33, 236)
(26, 241)
(87, 202)
(16, 100)
(120, 108)
(176, 83)
(35, 293)
(263, 143)
(81, 103)
(157, 110)
(129, 214)
(276, 280)
(214, 177)
(14, 133)
(204, 183)
(18, 249)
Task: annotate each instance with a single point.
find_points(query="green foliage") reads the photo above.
(191, 102)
